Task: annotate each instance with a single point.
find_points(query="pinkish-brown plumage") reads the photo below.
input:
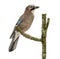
(24, 23)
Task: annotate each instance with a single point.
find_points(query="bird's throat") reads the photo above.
(32, 11)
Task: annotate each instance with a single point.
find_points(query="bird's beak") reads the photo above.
(36, 7)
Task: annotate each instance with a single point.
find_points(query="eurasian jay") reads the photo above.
(24, 24)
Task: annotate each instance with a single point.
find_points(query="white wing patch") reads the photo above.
(17, 34)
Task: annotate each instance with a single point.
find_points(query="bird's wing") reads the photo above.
(17, 24)
(19, 21)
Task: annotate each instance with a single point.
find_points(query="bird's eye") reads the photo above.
(31, 6)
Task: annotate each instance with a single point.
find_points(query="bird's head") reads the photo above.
(31, 8)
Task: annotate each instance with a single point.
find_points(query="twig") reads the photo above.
(48, 20)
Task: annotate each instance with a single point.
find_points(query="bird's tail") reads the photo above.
(15, 37)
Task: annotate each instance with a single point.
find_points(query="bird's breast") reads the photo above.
(28, 19)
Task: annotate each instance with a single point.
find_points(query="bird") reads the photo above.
(24, 23)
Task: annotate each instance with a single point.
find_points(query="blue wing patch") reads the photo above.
(19, 22)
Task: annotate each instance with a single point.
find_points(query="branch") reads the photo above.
(43, 36)
(27, 36)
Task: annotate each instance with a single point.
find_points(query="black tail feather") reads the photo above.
(13, 45)
(13, 34)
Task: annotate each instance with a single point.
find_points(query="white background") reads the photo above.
(11, 10)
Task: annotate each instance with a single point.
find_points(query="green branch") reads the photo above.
(28, 36)
(45, 24)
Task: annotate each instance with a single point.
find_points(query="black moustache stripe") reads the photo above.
(32, 9)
